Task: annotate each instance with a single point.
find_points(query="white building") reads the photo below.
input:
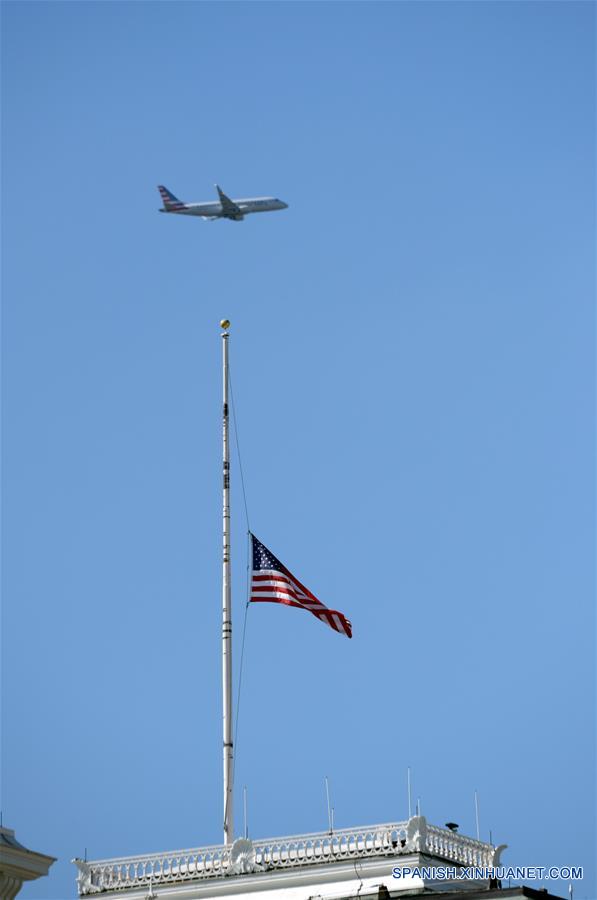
(18, 864)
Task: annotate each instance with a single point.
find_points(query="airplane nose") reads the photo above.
(283, 205)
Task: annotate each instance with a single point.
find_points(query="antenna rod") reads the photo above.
(477, 814)
(226, 602)
(327, 794)
(245, 810)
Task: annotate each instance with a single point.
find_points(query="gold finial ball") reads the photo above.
(225, 323)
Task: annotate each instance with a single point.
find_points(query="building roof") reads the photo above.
(18, 864)
(327, 863)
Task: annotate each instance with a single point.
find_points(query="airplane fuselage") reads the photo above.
(216, 209)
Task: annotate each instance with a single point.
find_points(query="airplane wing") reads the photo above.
(229, 208)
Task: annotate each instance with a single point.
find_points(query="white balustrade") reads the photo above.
(458, 848)
(279, 853)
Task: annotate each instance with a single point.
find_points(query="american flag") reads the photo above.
(272, 583)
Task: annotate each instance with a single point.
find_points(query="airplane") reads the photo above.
(235, 210)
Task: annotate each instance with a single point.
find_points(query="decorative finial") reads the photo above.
(225, 323)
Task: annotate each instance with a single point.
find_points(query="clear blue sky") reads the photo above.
(413, 361)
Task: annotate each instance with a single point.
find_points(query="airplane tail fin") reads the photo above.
(171, 203)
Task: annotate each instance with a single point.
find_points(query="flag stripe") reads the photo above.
(283, 601)
(280, 592)
(272, 585)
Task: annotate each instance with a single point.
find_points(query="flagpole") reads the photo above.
(226, 604)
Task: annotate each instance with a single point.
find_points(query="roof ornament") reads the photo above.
(84, 878)
(497, 852)
(416, 834)
(242, 857)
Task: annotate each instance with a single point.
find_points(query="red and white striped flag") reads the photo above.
(272, 583)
